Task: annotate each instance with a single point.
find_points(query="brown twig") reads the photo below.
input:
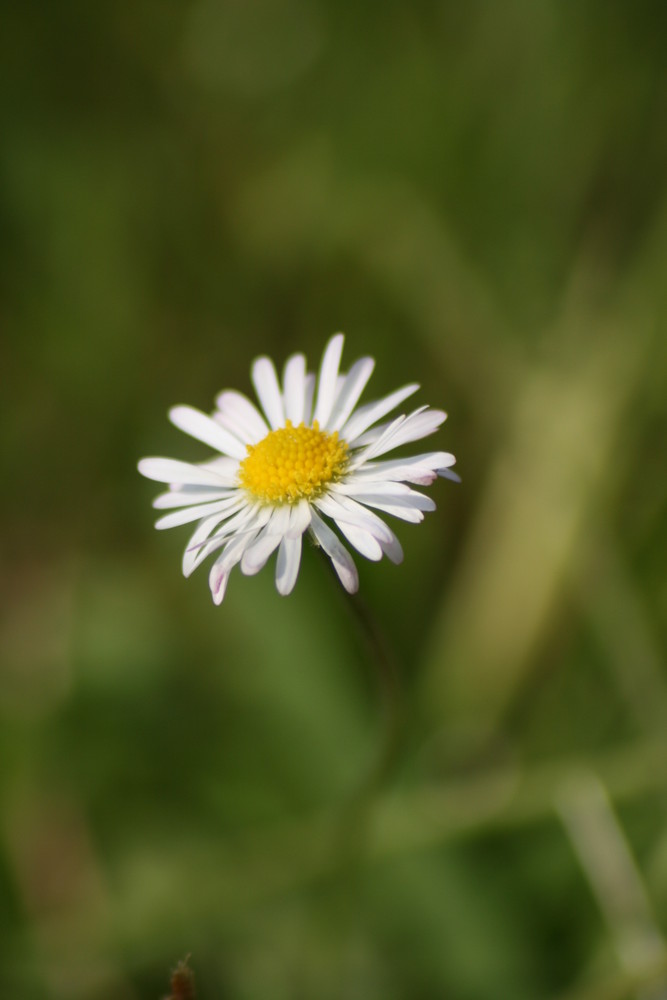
(182, 982)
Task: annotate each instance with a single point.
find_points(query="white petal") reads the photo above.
(205, 429)
(265, 380)
(223, 507)
(278, 522)
(226, 468)
(363, 541)
(338, 388)
(299, 518)
(353, 385)
(217, 581)
(371, 435)
(404, 512)
(310, 393)
(169, 470)
(357, 483)
(250, 519)
(326, 389)
(393, 550)
(421, 469)
(189, 495)
(267, 542)
(287, 566)
(380, 444)
(294, 386)
(418, 425)
(241, 416)
(369, 414)
(344, 509)
(407, 506)
(448, 474)
(192, 555)
(341, 559)
(257, 554)
(222, 567)
(359, 488)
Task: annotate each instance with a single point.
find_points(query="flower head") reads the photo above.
(310, 455)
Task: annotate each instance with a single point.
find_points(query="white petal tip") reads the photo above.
(218, 587)
(188, 566)
(448, 474)
(285, 587)
(144, 466)
(175, 412)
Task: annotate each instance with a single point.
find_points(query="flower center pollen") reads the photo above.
(293, 463)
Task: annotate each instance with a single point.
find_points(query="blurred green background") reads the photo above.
(476, 194)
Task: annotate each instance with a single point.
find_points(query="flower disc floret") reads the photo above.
(293, 463)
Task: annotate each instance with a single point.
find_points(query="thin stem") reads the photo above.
(388, 678)
(352, 841)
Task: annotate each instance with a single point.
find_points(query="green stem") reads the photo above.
(388, 679)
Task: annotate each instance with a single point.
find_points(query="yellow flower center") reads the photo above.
(293, 462)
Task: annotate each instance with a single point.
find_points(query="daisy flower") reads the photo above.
(309, 457)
